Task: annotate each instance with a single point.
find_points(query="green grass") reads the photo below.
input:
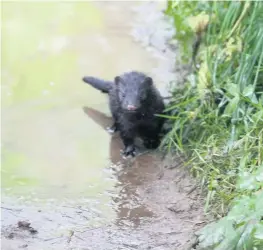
(218, 116)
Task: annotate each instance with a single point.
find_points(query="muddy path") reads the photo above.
(155, 209)
(60, 169)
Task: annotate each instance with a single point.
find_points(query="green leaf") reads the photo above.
(259, 176)
(253, 98)
(247, 181)
(212, 234)
(259, 231)
(248, 90)
(259, 202)
(232, 105)
(229, 243)
(246, 239)
(240, 210)
(233, 89)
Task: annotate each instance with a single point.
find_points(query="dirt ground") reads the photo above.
(159, 207)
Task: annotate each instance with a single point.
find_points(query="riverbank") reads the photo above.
(218, 116)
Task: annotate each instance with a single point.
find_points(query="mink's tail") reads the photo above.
(102, 85)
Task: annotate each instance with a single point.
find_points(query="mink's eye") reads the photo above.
(143, 95)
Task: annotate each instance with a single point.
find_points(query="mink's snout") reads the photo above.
(131, 107)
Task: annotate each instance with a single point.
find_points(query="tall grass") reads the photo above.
(218, 115)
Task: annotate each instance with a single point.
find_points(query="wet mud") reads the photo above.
(64, 182)
(157, 207)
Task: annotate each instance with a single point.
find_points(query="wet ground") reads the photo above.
(61, 171)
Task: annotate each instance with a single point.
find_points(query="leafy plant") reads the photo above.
(217, 116)
(242, 228)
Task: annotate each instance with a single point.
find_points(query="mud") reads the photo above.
(64, 183)
(157, 207)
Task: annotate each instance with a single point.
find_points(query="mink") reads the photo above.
(134, 102)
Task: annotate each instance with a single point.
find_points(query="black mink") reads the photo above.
(134, 102)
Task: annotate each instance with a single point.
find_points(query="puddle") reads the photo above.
(51, 148)
(60, 169)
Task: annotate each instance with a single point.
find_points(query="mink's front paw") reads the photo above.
(129, 151)
(112, 129)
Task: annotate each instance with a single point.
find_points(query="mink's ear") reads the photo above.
(117, 79)
(148, 80)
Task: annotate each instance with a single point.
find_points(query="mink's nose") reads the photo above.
(131, 107)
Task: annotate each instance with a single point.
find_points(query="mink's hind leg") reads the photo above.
(151, 143)
(150, 136)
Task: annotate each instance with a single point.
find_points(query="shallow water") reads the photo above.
(50, 147)
(54, 143)
(60, 168)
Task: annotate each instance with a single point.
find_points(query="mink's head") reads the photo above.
(133, 91)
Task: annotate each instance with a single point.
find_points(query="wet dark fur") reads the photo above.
(135, 89)
(102, 85)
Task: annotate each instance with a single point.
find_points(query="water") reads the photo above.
(50, 147)
(60, 168)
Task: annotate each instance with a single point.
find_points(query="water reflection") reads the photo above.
(50, 148)
(130, 173)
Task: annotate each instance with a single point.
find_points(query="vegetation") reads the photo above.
(218, 116)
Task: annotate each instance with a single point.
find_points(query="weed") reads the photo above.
(218, 115)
